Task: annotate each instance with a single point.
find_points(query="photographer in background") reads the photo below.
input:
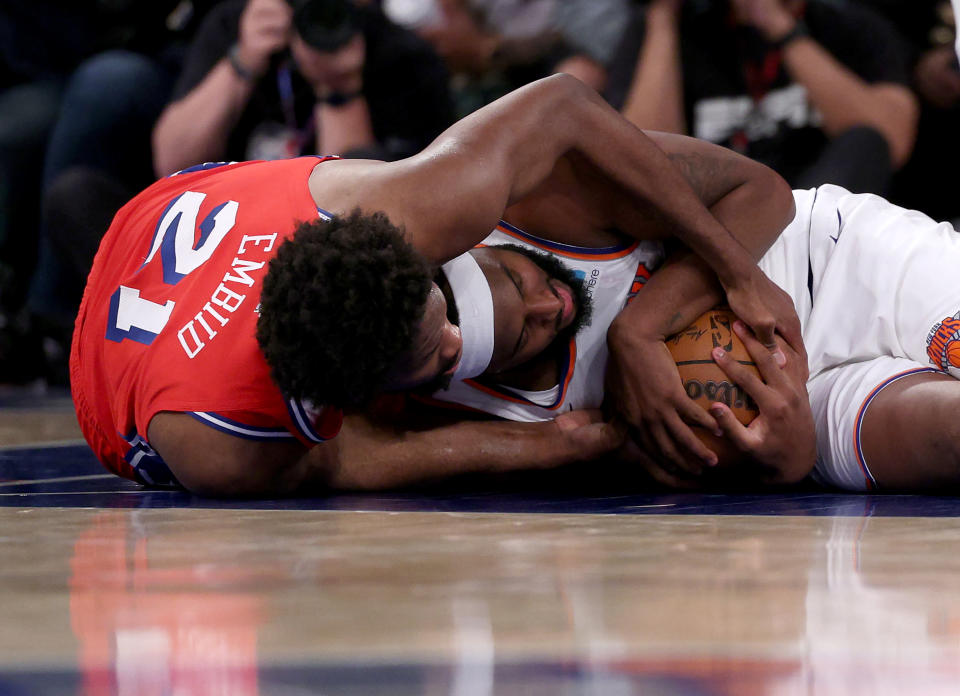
(269, 79)
(817, 90)
(928, 26)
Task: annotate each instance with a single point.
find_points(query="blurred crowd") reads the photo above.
(98, 98)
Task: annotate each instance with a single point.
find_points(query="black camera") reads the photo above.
(326, 25)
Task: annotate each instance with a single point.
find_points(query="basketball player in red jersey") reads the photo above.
(169, 381)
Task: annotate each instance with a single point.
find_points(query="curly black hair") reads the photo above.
(341, 303)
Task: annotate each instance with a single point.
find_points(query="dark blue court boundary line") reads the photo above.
(29, 478)
(405, 679)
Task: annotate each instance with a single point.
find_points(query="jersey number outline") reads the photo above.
(181, 252)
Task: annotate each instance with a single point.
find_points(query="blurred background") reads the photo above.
(98, 98)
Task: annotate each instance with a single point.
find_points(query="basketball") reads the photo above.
(703, 379)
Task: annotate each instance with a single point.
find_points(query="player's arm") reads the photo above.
(642, 378)
(573, 207)
(212, 463)
(751, 200)
(449, 196)
(371, 453)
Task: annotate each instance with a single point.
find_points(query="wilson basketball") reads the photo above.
(703, 379)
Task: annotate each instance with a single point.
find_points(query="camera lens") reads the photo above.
(326, 25)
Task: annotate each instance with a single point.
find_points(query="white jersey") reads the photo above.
(611, 276)
(868, 279)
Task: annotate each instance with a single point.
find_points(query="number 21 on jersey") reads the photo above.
(181, 252)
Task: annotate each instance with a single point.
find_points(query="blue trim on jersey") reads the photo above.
(200, 168)
(324, 214)
(147, 465)
(570, 248)
(298, 414)
(232, 427)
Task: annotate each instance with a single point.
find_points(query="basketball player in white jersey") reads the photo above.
(748, 198)
(874, 286)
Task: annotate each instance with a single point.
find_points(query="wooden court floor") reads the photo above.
(524, 588)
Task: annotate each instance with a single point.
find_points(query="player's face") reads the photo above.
(436, 351)
(530, 308)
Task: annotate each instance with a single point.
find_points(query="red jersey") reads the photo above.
(169, 314)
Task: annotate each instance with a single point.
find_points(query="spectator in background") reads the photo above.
(816, 90)
(67, 130)
(929, 28)
(98, 156)
(494, 46)
(40, 44)
(268, 79)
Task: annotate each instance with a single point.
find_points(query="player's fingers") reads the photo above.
(664, 472)
(744, 438)
(671, 457)
(641, 436)
(793, 335)
(750, 382)
(694, 454)
(766, 362)
(660, 475)
(765, 329)
(691, 412)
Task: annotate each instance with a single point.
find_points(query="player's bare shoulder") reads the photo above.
(393, 188)
(433, 197)
(340, 185)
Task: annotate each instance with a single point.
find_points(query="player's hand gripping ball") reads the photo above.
(703, 379)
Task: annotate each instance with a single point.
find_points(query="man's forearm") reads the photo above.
(196, 128)
(655, 98)
(634, 162)
(372, 455)
(512, 146)
(846, 100)
(755, 211)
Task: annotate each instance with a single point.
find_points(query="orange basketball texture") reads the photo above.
(703, 379)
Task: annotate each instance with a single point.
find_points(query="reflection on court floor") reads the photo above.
(519, 587)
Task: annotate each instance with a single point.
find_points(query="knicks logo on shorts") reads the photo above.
(943, 343)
